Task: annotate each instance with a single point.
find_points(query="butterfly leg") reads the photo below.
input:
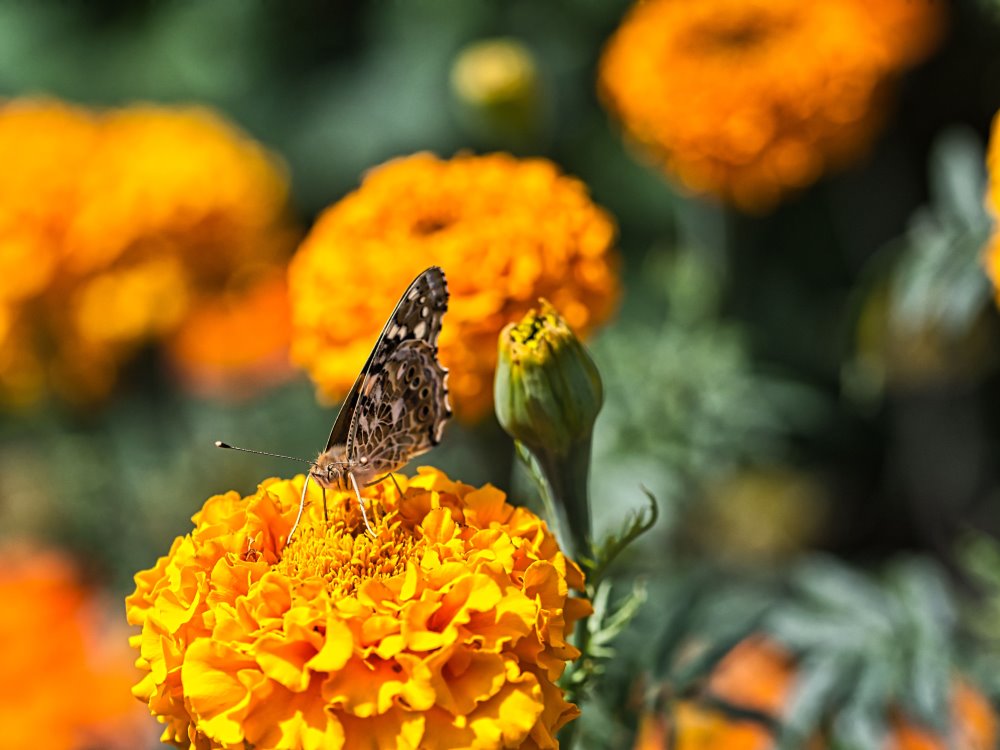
(391, 476)
(361, 502)
(326, 518)
(302, 506)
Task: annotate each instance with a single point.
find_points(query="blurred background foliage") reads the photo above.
(811, 394)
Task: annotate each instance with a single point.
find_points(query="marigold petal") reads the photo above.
(220, 683)
(439, 526)
(285, 661)
(506, 719)
(464, 677)
(286, 722)
(338, 645)
(487, 505)
(395, 730)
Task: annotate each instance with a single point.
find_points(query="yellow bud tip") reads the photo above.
(493, 71)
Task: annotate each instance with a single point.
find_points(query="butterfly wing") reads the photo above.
(401, 409)
(417, 317)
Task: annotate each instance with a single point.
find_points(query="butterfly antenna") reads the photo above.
(220, 444)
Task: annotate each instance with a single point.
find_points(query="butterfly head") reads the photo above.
(331, 469)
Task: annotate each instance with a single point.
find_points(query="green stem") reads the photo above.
(568, 477)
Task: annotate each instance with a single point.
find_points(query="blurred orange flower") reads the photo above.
(974, 726)
(232, 345)
(51, 644)
(991, 257)
(447, 631)
(113, 227)
(506, 231)
(696, 727)
(751, 99)
(759, 675)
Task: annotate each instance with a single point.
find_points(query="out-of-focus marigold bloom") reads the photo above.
(991, 257)
(52, 643)
(759, 675)
(232, 345)
(447, 631)
(113, 227)
(505, 230)
(974, 725)
(751, 99)
(695, 727)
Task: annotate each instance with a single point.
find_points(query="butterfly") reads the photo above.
(398, 405)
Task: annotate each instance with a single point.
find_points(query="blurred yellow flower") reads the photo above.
(113, 227)
(506, 231)
(491, 72)
(51, 643)
(447, 631)
(751, 99)
(46, 145)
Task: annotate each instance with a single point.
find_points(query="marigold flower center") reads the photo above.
(737, 34)
(343, 555)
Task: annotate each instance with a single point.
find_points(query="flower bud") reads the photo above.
(548, 390)
(496, 85)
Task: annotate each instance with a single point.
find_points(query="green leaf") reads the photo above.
(821, 681)
(635, 525)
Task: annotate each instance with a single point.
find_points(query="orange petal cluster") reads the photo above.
(694, 727)
(991, 256)
(749, 100)
(506, 231)
(233, 345)
(51, 644)
(114, 226)
(446, 631)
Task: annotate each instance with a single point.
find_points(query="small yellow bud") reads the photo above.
(494, 71)
(548, 390)
(495, 82)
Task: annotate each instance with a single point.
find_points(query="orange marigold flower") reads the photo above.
(446, 631)
(46, 146)
(180, 177)
(991, 258)
(506, 231)
(751, 99)
(695, 727)
(52, 644)
(113, 226)
(759, 675)
(974, 725)
(232, 345)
